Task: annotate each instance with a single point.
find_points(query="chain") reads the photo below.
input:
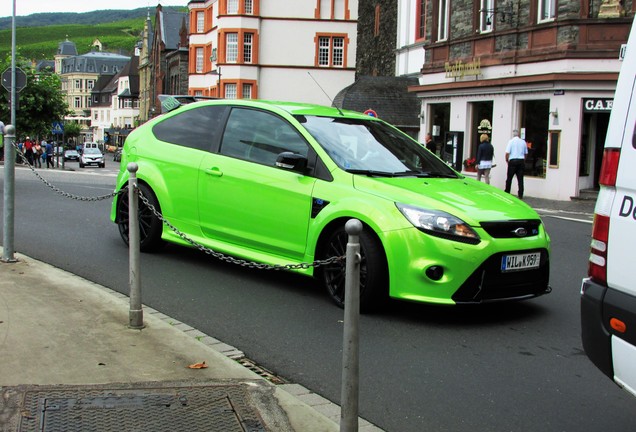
(58, 190)
(184, 237)
(232, 260)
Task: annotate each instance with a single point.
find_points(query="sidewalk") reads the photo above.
(70, 362)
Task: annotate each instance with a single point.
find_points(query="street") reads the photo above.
(503, 367)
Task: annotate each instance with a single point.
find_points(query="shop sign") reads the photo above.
(484, 127)
(459, 69)
(597, 105)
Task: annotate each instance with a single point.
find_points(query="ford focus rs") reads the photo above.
(275, 183)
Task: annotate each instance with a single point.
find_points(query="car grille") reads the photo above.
(512, 228)
(488, 283)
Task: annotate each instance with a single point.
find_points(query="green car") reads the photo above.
(274, 183)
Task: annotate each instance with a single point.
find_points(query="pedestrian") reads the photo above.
(49, 155)
(430, 144)
(37, 155)
(484, 158)
(516, 152)
(28, 150)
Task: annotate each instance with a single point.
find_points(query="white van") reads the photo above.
(608, 294)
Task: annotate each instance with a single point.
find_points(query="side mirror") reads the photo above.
(292, 162)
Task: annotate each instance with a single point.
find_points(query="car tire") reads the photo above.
(103, 165)
(150, 227)
(373, 269)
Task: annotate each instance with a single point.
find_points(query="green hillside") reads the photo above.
(38, 35)
(41, 43)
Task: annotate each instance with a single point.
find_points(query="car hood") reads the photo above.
(466, 198)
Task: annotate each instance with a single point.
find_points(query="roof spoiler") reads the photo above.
(172, 102)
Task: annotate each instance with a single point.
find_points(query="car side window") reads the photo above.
(195, 128)
(260, 137)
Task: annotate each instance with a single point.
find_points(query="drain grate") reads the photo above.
(210, 408)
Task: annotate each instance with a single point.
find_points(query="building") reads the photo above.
(115, 105)
(163, 59)
(78, 74)
(544, 67)
(296, 51)
(377, 89)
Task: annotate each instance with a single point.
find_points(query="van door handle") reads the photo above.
(216, 172)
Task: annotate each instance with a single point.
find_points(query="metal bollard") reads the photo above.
(8, 222)
(136, 313)
(350, 345)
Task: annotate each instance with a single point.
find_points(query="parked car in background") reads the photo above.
(92, 156)
(71, 155)
(275, 183)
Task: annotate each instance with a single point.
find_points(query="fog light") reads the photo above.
(435, 272)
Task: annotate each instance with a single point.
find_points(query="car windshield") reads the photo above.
(92, 151)
(373, 148)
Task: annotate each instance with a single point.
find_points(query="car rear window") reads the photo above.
(194, 128)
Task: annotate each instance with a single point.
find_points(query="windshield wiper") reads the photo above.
(437, 174)
(373, 173)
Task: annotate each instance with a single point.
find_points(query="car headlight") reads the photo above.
(439, 224)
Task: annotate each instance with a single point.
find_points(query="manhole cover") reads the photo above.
(207, 408)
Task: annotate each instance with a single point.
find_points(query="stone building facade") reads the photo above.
(545, 67)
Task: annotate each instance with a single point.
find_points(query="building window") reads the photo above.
(231, 47)
(547, 10)
(232, 6)
(78, 84)
(200, 22)
(77, 102)
(199, 59)
(247, 91)
(442, 20)
(249, 7)
(331, 51)
(421, 19)
(485, 17)
(247, 47)
(90, 84)
(230, 91)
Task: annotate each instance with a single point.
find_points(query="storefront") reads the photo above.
(562, 116)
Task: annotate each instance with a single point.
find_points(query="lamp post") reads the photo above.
(218, 81)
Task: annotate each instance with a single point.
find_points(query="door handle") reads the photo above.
(216, 172)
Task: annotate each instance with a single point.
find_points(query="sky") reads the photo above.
(28, 7)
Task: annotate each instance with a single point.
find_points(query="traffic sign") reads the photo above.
(58, 128)
(371, 113)
(20, 79)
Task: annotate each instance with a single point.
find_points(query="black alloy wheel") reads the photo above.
(373, 269)
(150, 227)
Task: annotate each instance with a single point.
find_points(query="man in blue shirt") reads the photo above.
(516, 152)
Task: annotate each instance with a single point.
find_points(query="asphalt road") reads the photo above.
(508, 367)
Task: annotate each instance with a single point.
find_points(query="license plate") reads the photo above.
(520, 261)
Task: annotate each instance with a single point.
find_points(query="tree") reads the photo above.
(39, 104)
(71, 130)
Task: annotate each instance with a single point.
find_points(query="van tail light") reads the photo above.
(597, 268)
(609, 167)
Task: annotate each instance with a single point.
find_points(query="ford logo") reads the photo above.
(520, 232)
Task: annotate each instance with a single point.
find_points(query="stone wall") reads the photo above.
(375, 55)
